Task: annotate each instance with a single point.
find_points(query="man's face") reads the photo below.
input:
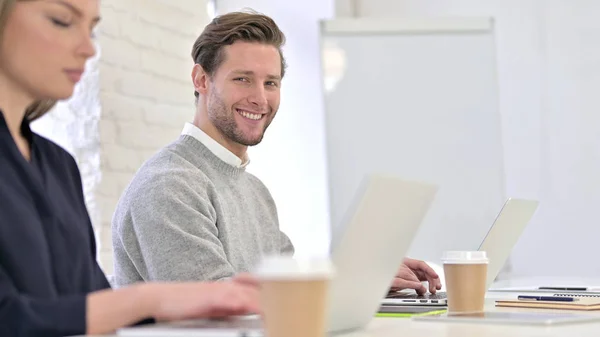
(243, 93)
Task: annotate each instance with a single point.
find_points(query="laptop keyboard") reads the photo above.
(436, 296)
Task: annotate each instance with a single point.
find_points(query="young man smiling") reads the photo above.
(192, 212)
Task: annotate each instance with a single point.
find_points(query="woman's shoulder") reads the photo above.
(53, 152)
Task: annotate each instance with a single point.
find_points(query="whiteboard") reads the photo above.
(417, 98)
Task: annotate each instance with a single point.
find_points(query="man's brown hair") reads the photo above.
(228, 28)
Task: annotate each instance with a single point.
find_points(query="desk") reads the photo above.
(405, 327)
(384, 327)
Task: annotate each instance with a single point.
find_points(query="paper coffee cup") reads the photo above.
(294, 295)
(465, 273)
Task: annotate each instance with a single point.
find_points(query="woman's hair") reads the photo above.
(38, 108)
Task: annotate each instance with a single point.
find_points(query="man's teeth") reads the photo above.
(250, 115)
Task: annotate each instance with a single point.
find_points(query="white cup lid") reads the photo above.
(464, 257)
(282, 267)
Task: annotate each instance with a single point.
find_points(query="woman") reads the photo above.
(50, 283)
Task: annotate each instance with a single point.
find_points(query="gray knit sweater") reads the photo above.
(187, 215)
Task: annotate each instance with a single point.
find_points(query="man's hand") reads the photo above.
(412, 273)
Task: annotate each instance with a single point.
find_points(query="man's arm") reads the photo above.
(412, 273)
(168, 228)
(287, 248)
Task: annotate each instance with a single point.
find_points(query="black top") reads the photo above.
(47, 248)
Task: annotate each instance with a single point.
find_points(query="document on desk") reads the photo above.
(559, 301)
(576, 289)
(566, 287)
(241, 327)
(518, 318)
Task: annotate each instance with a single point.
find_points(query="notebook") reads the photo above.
(578, 295)
(582, 302)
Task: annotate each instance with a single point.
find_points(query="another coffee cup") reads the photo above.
(465, 273)
(294, 295)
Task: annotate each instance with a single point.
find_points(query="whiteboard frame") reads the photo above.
(407, 25)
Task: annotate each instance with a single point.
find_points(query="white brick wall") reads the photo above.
(145, 90)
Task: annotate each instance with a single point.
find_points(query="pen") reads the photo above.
(546, 298)
(564, 288)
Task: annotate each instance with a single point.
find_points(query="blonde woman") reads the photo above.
(50, 283)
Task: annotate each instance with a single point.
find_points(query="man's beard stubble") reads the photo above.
(224, 121)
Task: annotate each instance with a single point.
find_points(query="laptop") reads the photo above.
(498, 244)
(380, 226)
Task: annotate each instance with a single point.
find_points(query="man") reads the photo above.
(192, 212)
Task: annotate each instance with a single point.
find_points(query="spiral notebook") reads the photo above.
(577, 295)
(585, 302)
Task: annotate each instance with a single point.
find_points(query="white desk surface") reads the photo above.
(406, 327)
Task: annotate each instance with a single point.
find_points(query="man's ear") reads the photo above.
(200, 79)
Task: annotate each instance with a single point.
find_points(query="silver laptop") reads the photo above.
(382, 222)
(498, 244)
